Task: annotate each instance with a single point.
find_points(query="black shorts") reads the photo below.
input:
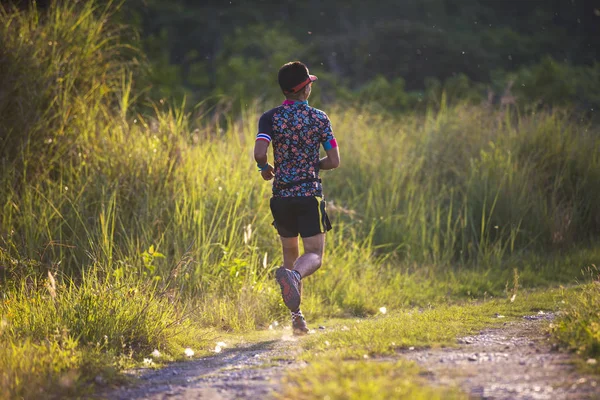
(299, 215)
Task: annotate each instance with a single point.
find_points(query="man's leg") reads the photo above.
(290, 251)
(312, 258)
(306, 265)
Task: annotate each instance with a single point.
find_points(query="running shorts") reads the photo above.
(304, 215)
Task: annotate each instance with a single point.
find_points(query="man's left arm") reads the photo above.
(261, 146)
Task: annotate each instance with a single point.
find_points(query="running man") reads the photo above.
(297, 131)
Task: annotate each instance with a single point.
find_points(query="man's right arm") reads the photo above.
(332, 160)
(330, 145)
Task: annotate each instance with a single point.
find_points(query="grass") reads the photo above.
(384, 335)
(578, 329)
(330, 379)
(357, 359)
(124, 231)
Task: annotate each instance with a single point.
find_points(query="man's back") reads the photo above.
(297, 131)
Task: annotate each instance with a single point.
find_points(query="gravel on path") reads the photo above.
(250, 371)
(515, 361)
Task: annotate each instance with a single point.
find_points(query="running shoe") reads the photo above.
(290, 288)
(299, 323)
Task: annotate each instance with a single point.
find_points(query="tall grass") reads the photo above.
(471, 184)
(578, 328)
(151, 222)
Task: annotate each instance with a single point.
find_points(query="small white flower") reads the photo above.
(327, 343)
(156, 353)
(148, 361)
(382, 310)
(222, 344)
(217, 349)
(275, 323)
(247, 233)
(189, 352)
(271, 327)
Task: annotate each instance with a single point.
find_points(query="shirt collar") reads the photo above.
(292, 102)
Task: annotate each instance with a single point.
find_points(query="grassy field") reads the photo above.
(127, 228)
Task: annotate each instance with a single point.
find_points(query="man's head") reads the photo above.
(295, 81)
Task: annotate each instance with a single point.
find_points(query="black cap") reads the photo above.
(294, 76)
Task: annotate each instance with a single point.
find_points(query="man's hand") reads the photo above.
(268, 173)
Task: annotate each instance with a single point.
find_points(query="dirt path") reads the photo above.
(246, 372)
(515, 361)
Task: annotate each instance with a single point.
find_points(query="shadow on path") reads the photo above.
(239, 372)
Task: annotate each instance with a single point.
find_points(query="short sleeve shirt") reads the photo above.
(296, 131)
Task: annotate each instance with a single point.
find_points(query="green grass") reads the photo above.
(439, 325)
(133, 230)
(578, 328)
(335, 380)
(358, 359)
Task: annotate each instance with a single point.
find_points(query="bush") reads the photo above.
(553, 84)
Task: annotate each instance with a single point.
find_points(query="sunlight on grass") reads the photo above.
(363, 380)
(127, 228)
(578, 328)
(351, 359)
(423, 327)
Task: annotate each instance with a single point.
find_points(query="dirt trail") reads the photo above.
(245, 372)
(515, 361)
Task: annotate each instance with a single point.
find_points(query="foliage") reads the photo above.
(58, 71)
(356, 44)
(578, 329)
(552, 83)
(54, 369)
(122, 232)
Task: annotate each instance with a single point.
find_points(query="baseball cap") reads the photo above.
(294, 76)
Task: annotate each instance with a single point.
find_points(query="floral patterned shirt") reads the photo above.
(297, 131)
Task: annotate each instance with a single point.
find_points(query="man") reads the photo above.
(297, 131)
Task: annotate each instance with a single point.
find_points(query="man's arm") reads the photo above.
(332, 160)
(260, 152)
(330, 146)
(260, 155)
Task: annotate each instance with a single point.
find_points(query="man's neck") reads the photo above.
(294, 101)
